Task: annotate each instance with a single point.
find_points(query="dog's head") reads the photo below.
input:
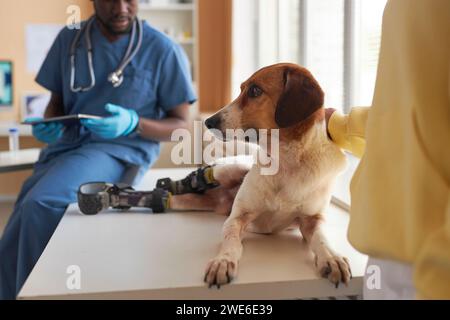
(276, 97)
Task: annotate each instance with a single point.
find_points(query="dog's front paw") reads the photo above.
(334, 268)
(220, 270)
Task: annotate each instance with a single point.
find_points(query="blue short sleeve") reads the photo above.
(50, 73)
(175, 85)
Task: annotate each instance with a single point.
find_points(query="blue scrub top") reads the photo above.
(157, 80)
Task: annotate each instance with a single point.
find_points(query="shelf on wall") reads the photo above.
(178, 20)
(168, 7)
(185, 41)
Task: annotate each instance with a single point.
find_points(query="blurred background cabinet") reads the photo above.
(178, 20)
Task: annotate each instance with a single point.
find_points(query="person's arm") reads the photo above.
(348, 131)
(161, 130)
(175, 93)
(55, 107)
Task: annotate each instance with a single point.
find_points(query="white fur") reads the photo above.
(297, 194)
(301, 187)
(271, 203)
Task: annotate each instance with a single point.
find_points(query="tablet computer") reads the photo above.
(65, 120)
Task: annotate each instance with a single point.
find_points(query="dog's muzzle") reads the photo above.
(214, 122)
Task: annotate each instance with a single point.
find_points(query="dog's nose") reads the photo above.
(213, 122)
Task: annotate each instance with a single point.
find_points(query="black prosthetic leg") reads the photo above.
(97, 196)
(196, 182)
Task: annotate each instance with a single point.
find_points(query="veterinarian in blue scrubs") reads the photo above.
(150, 103)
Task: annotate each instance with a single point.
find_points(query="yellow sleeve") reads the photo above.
(432, 266)
(349, 131)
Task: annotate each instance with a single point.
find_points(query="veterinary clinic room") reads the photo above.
(225, 150)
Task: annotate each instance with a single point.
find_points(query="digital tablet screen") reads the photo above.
(65, 120)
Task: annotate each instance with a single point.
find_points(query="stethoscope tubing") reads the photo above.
(118, 73)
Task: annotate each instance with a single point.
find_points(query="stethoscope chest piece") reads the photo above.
(116, 79)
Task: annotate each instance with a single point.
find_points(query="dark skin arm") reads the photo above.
(161, 130)
(55, 107)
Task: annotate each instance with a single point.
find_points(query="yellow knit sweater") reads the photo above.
(400, 192)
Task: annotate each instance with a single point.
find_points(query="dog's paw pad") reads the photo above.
(335, 268)
(220, 271)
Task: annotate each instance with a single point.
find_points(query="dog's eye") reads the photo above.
(254, 91)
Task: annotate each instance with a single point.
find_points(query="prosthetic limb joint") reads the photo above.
(97, 196)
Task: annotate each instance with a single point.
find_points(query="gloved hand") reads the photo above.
(122, 122)
(46, 132)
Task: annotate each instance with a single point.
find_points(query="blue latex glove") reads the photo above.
(122, 122)
(46, 132)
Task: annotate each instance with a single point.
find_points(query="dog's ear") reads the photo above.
(302, 96)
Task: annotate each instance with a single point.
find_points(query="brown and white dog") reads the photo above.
(288, 98)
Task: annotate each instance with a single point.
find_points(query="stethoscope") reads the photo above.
(116, 77)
